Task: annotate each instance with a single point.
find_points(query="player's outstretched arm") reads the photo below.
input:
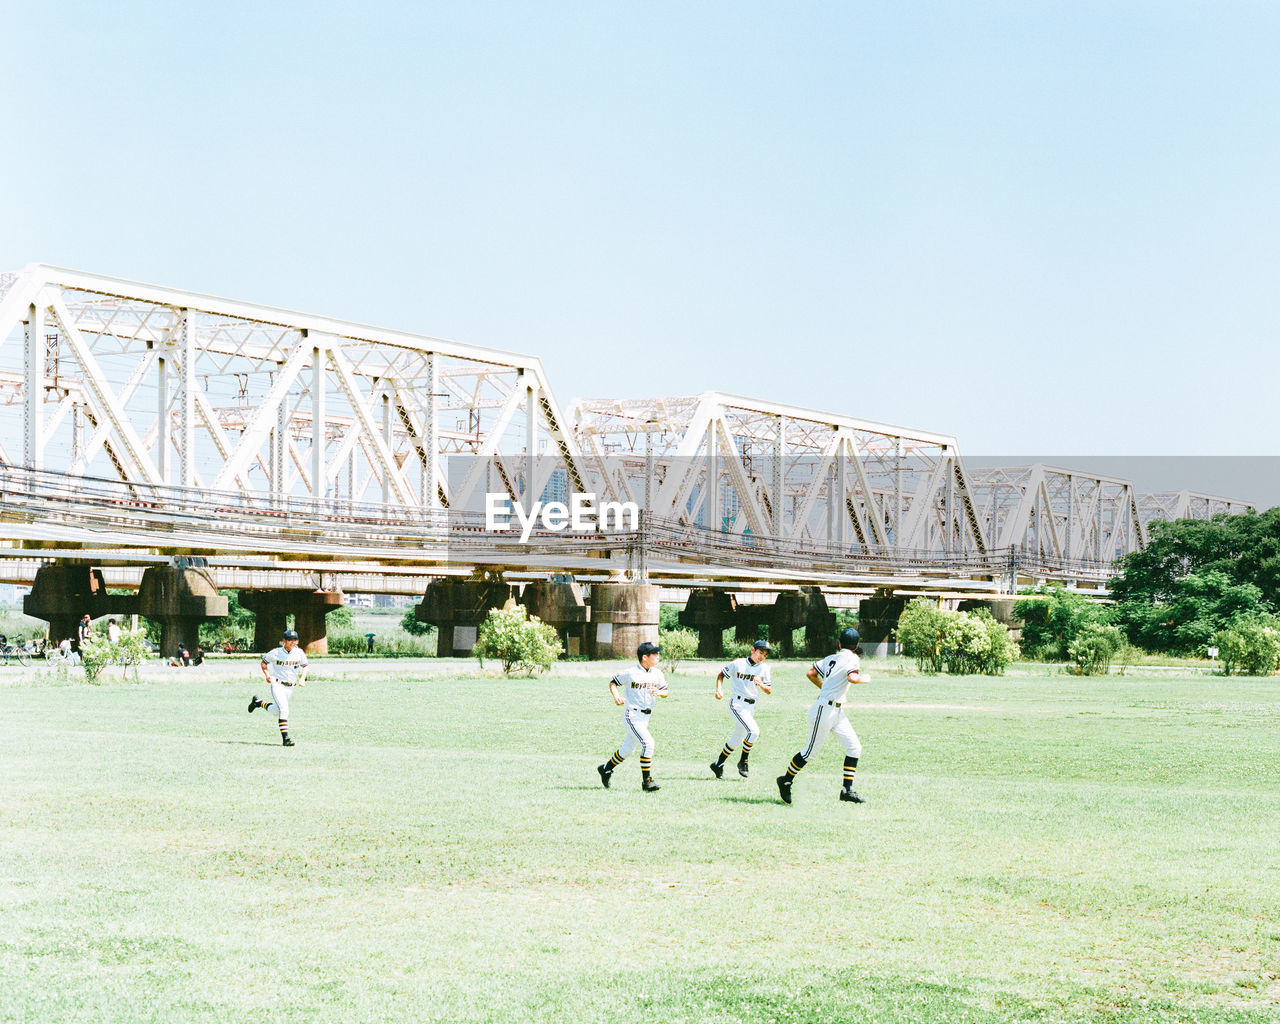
(859, 677)
(720, 686)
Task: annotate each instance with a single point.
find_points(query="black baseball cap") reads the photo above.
(849, 637)
(647, 648)
(290, 634)
(761, 645)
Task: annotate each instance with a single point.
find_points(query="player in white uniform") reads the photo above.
(749, 677)
(641, 685)
(283, 668)
(832, 675)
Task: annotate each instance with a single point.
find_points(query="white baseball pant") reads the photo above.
(636, 726)
(824, 719)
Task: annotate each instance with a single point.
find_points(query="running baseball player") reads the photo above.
(640, 686)
(748, 677)
(832, 676)
(283, 669)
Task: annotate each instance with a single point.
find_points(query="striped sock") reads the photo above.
(646, 763)
(284, 727)
(725, 751)
(746, 752)
(614, 761)
(850, 766)
(797, 762)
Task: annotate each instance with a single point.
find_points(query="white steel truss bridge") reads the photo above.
(141, 423)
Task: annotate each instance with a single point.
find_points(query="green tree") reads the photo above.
(1194, 608)
(414, 626)
(515, 639)
(1052, 617)
(1195, 576)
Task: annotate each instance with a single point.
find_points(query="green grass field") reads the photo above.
(438, 848)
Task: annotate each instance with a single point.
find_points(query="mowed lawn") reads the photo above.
(437, 847)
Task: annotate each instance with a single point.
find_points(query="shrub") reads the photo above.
(1250, 645)
(1094, 647)
(97, 653)
(1002, 648)
(919, 634)
(964, 643)
(511, 636)
(677, 645)
(1052, 617)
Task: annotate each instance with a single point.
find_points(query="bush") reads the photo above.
(511, 636)
(919, 634)
(1052, 617)
(97, 653)
(1094, 647)
(965, 643)
(677, 645)
(1250, 645)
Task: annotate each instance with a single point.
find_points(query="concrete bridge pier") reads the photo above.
(877, 618)
(559, 602)
(788, 613)
(179, 598)
(623, 616)
(457, 607)
(271, 609)
(710, 612)
(64, 591)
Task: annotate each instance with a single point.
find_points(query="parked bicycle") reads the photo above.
(15, 652)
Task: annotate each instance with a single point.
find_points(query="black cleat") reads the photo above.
(606, 774)
(254, 703)
(287, 742)
(649, 786)
(849, 796)
(717, 769)
(784, 788)
(742, 769)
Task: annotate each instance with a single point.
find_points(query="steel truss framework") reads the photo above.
(747, 466)
(196, 401)
(157, 387)
(1076, 516)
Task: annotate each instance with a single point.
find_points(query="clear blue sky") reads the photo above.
(1047, 228)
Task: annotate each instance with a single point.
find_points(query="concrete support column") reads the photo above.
(623, 616)
(271, 609)
(179, 599)
(877, 619)
(710, 612)
(457, 607)
(63, 592)
(559, 602)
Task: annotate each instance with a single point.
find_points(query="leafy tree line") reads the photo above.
(1202, 583)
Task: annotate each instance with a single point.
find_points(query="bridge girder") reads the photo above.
(157, 386)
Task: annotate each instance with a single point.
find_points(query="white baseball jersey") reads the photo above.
(285, 666)
(641, 687)
(834, 670)
(744, 676)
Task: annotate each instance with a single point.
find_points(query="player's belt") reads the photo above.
(836, 703)
(749, 700)
(644, 711)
